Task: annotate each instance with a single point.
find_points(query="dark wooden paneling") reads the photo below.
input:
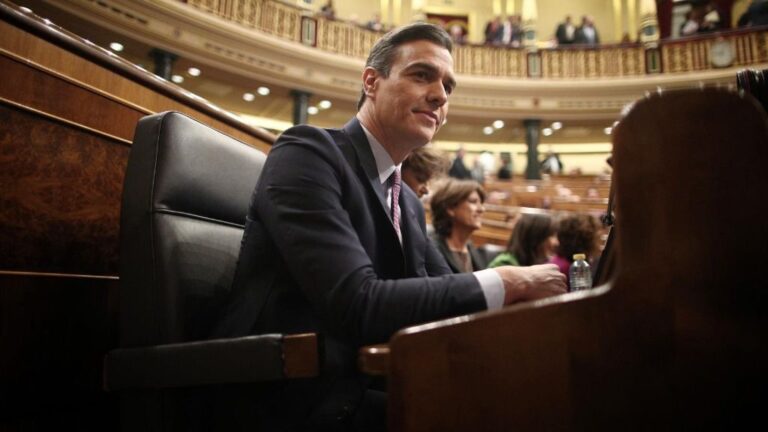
(60, 200)
(53, 333)
(75, 102)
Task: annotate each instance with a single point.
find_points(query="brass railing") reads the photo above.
(693, 54)
(605, 61)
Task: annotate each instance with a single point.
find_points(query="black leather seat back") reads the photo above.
(186, 194)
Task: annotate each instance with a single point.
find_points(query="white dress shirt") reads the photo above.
(490, 281)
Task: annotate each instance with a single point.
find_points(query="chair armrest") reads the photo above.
(374, 359)
(219, 361)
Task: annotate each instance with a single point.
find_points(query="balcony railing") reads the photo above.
(745, 47)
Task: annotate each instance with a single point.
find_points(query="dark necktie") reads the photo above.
(396, 202)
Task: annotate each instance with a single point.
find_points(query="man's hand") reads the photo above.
(531, 283)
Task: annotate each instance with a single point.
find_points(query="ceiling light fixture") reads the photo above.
(546, 131)
(324, 104)
(557, 125)
(498, 124)
(178, 79)
(488, 130)
(194, 71)
(249, 97)
(312, 110)
(608, 130)
(116, 46)
(262, 90)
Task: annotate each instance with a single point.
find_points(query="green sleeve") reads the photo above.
(504, 258)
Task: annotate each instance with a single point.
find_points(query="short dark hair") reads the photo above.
(384, 51)
(426, 163)
(529, 233)
(578, 233)
(448, 195)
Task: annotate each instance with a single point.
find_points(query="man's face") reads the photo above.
(411, 103)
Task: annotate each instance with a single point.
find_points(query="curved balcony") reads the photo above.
(288, 46)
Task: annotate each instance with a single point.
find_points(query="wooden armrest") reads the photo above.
(374, 359)
(219, 361)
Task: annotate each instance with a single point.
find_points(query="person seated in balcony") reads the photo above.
(421, 166)
(375, 24)
(533, 241)
(328, 11)
(566, 32)
(457, 212)
(334, 244)
(587, 34)
(710, 21)
(458, 34)
(493, 31)
(578, 233)
(511, 31)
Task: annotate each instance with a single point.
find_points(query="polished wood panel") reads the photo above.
(55, 96)
(60, 204)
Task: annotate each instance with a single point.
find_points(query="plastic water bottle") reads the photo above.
(580, 274)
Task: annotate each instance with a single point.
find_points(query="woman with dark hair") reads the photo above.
(532, 242)
(457, 209)
(421, 166)
(577, 233)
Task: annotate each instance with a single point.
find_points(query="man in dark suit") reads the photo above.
(587, 34)
(566, 32)
(335, 244)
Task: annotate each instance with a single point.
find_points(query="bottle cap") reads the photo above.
(579, 256)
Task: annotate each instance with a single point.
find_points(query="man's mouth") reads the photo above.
(431, 115)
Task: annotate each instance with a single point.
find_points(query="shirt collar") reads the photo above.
(384, 163)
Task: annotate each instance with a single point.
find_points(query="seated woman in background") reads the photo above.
(532, 242)
(457, 209)
(421, 166)
(577, 233)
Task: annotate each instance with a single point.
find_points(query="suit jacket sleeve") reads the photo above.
(306, 200)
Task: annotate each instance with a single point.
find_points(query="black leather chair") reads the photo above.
(755, 83)
(186, 194)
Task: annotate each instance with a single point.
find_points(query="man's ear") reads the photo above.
(370, 81)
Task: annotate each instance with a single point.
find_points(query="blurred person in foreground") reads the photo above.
(533, 241)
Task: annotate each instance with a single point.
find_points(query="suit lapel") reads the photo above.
(362, 149)
(359, 142)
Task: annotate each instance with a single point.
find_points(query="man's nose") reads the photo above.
(437, 95)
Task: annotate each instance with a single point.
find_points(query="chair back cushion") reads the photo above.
(185, 198)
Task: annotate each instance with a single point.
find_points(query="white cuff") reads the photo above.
(493, 288)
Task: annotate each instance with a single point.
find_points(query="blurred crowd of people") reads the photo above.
(567, 33)
(504, 31)
(457, 203)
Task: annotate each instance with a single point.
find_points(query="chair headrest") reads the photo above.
(197, 170)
